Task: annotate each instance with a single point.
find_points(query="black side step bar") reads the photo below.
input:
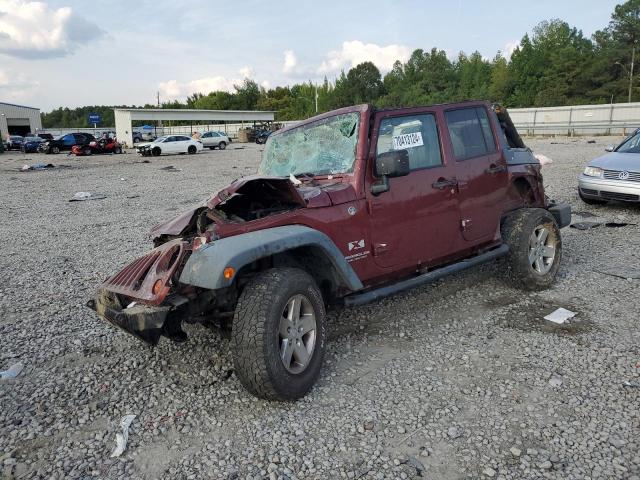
(432, 276)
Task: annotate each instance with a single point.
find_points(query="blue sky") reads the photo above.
(81, 52)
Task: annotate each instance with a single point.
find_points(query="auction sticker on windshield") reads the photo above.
(407, 140)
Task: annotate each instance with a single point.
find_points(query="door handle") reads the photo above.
(443, 183)
(495, 169)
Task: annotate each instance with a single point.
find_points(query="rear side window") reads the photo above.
(470, 132)
(417, 134)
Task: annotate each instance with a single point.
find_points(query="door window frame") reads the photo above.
(380, 116)
(495, 141)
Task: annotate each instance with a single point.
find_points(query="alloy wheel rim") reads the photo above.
(297, 334)
(542, 250)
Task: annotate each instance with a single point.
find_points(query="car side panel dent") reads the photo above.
(205, 266)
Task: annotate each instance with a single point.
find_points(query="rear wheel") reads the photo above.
(533, 237)
(222, 145)
(191, 150)
(590, 201)
(278, 334)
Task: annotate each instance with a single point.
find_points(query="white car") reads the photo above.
(214, 139)
(168, 144)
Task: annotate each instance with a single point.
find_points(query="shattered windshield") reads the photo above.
(324, 147)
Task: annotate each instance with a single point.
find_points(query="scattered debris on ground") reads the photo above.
(585, 225)
(12, 372)
(37, 166)
(560, 316)
(123, 437)
(82, 196)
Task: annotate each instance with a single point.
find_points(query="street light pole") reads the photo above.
(633, 55)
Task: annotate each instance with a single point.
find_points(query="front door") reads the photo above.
(480, 169)
(417, 220)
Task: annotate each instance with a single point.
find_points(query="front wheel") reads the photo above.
(55, 150)
(533, 237)
(191, 150)
(278, 334)
(222, 145)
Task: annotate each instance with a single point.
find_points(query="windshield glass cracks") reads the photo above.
(632, 145)
(325, 147)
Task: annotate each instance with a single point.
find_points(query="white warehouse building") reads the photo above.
(18, 119)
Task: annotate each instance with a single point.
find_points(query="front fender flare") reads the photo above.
(205, 267)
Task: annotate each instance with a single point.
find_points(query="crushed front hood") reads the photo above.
(305, 195)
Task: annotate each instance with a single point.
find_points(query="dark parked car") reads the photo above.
(14, 142)
(30, 144)
(65, 142)
(45, 136)
(347, 207)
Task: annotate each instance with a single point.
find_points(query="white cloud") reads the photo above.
(290, 61)
(509, 48)
(246, 72)
(32, 30)
(265, 84)
(16, 86)
(173, 90)
(354, 52)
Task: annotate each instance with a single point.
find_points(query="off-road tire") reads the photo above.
(517, 228)
(591, 201)
(192, 150)
(155, 151)
(255, 338)
(222, 145)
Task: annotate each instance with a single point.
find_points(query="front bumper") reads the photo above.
(144, 322)
(604, 189)
(561, 212)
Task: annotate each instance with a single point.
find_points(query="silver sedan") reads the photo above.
(614, 176)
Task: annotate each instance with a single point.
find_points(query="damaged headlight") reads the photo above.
(593, 172)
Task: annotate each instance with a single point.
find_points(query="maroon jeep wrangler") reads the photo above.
(347, 207)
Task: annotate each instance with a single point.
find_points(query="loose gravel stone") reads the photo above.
(475, 354)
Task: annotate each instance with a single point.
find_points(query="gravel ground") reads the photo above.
(459, 379)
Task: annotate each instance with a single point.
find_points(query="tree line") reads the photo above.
(556, 65)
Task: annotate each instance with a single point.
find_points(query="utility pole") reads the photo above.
(158, 97)
(633, 55)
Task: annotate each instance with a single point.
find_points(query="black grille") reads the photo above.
(619, 196)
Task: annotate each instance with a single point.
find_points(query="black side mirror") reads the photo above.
(393, 164)
(388, 165)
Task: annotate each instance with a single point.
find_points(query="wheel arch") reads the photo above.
(292, 245)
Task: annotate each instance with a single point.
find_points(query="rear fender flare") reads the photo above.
(205, 267)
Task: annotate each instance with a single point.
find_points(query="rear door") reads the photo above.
(417, 220)
(206, 139)
(480, 169)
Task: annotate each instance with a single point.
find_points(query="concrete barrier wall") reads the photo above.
(608, 119)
